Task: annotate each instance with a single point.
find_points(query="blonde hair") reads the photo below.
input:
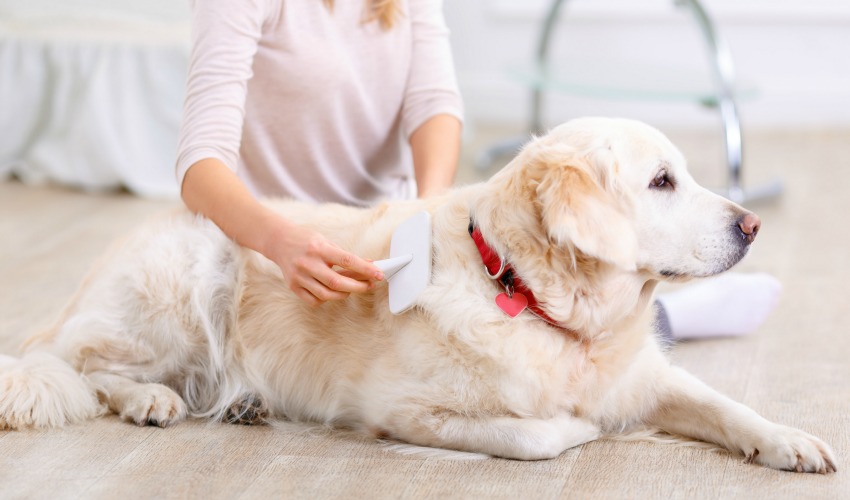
(384, 11)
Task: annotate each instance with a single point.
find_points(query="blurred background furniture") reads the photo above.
(91, 92)
(548, 76)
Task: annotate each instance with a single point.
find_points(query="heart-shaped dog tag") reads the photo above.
(512, 305)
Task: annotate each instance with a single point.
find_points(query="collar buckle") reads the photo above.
(499, 273)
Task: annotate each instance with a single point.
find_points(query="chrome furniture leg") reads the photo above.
(724, 78)
(535, 125)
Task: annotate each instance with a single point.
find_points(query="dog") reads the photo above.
(535, 334)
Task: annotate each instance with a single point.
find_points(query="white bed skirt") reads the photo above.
(92, 103)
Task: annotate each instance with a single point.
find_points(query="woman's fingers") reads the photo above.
(305, 296)
(340, 281)
(357, 267)
(315, 277)
(312, 291)
(323, 293)
(319, 271)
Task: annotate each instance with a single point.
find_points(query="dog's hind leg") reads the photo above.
(688, 407)
(144, 404)
(507, 437)
(248, 410)
(42, 390)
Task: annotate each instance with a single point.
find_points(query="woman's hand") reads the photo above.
(316, 269)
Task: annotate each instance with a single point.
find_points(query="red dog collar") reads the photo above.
(516, 291)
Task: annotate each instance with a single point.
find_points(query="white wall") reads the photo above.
(795, 53)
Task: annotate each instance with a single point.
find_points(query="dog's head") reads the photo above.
(618, 191)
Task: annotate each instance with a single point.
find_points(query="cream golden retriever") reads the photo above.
(177, 320)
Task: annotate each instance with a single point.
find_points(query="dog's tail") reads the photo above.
(41, 390)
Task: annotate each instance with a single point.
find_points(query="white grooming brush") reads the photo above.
(408, 270)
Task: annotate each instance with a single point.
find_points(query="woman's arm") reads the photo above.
(305, 257)
(436, 148)
(432, 111)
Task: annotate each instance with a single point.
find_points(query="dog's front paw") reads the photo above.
(154, 404)
(791, 449)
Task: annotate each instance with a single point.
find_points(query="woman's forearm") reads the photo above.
(213, 190)
(436, 149)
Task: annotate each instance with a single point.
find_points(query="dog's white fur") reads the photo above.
(178, 320)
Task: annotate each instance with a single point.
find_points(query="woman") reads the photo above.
(319, 101)
(349, 101)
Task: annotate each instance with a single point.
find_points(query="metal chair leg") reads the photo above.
(535, 125)
(724, 78)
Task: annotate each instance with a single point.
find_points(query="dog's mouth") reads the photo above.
(673, 275)
(730, 260)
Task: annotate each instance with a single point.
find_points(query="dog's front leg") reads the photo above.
(144, 404)
(688, 407)
(507, 437)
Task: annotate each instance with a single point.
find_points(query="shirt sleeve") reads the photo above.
(431, 86)
(225, 36)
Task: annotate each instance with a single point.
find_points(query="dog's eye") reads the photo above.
(661, 181)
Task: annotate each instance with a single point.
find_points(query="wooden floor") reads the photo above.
(794, 370)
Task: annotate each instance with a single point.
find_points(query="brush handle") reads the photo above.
(393, 264)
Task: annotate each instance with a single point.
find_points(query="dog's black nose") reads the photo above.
(749, 225)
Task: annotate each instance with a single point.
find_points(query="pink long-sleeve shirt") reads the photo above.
(310, 102)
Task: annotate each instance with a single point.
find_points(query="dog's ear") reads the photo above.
(582, 206)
